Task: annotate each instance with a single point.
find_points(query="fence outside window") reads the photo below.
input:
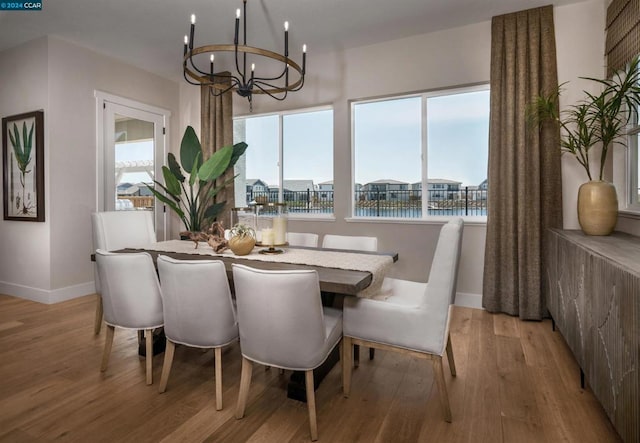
(380, 203)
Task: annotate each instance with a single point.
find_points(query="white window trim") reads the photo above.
(480, 219)
(281, 115)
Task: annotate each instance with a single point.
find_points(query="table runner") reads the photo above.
(377, 265)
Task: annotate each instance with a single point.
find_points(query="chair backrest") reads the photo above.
(280, 316)
(354, 243)
(197, 304)
(114, 230)
(130, 290)
(444, 268)
(302, 239)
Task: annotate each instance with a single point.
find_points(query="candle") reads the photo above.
(267, 236)
(279, 230)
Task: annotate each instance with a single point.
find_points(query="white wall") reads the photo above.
(437, 60)
(65, 78)
(25, 246)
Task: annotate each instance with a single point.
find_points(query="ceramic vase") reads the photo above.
(597, 207)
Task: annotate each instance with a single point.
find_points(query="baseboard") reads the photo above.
(468, 300)
(47, 296)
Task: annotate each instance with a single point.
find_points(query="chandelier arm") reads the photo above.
(270, 94)
(242, 73)
(193, 65)
(219, 92)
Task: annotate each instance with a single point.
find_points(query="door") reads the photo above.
(132, 158)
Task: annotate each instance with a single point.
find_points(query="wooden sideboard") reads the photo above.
(593, 295)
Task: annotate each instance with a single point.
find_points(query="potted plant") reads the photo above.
(242, 239)
(601, 119)
(193, 198)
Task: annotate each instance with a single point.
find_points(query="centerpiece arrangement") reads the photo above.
(192, 198)
(600, 120)
(242, 239)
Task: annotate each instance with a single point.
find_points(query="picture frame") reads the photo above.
(23, 166)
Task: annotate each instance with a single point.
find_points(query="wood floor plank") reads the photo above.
(517, 381)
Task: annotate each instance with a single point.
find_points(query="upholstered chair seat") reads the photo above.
(415, 318)
(113, 230)
(302, 239)
(283, 324)
(131, 298)
(198, 311)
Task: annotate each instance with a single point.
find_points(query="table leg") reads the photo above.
(296, 388)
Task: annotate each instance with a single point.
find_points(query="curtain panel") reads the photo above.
(216, 121)
(623, 33)
(524, 177)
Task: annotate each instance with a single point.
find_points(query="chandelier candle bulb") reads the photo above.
(286, 39)
(186, 43)
(211, 63)
(192, 30)
(235, 38)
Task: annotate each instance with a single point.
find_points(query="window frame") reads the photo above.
(424, 195)
(280, 143)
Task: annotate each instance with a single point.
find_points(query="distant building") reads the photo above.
(439, 189)
(386, 189)
(325, 190)
(297, 190)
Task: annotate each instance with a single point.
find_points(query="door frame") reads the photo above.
(102, 98)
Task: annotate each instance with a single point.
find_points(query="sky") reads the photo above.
(387, 137)
(387, 141)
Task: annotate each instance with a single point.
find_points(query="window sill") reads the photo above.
(313, 218)
(630, 214)
(470, 220)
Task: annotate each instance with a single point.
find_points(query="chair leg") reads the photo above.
(346, 365)
(148, 334)
(97, 323)
(166, 366)
(438, 373)
(218, 364)
(108, 342)
(311, 404)
(356, 356)
(452, 363)
(245, 382)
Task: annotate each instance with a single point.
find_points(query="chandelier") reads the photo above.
(275, 84)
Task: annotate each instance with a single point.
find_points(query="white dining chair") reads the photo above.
(302, 239)
(131, 299)
(113, 230)
(352, 242)
(414, 319)
(198, 311)
(283, 324)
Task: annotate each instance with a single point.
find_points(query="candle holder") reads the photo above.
(271, 225)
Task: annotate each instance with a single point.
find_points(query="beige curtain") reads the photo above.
(216, 120)
(525, 187)
(623, 33)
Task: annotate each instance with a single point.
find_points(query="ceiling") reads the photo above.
(149, 33)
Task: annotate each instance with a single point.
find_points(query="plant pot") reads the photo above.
(241, 245)
(597, 207)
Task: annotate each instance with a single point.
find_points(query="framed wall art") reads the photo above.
(23, 166)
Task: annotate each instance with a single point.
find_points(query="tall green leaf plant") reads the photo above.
(193, 198)
(598, 120)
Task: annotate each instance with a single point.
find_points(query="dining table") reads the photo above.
(340, 272)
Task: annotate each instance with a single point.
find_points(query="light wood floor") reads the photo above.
(517, 382)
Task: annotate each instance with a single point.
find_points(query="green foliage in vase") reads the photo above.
(193, 198)
(599, 120)
(241, 231)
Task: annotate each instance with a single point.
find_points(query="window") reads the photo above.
(633, 168)
(289, 159)
(435, 141)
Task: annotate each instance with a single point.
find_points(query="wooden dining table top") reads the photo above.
(338, 281)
